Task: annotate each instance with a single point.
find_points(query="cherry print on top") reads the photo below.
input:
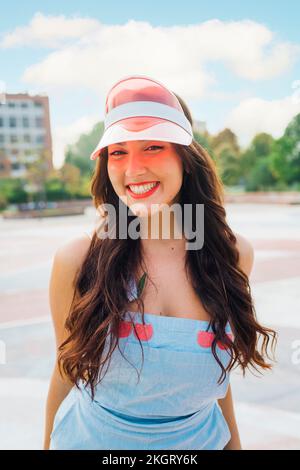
(165, 399)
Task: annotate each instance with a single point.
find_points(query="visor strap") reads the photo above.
(148, 109)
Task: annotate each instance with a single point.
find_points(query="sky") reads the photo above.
(236, 64)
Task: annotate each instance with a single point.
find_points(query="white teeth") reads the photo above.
(143, 188)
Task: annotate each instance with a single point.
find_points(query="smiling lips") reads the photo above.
(138, 191)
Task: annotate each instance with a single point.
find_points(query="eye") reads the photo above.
(153, 146)
(113, 153)
(120, 151)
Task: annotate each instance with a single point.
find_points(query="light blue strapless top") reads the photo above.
(173, 405)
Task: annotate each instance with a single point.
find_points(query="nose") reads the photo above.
(135, 165)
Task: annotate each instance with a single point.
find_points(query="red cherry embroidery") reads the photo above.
(205, 339)
(143, 332)
(222, 345)
(124, 329)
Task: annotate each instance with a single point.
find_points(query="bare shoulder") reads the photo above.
(72, 253)
(246, 252)
(66, 262)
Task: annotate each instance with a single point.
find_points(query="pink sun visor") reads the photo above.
(140, 108)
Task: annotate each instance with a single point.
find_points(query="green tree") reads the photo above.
(204, 140)
(260, 178)
(12, 191)
(70, 176)
(55, 187)
(226, 139)
(37, 172)
(226, 153)
(78, 154)
(285, 157)
(256, 164)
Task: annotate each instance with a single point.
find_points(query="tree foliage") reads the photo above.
(266, 164)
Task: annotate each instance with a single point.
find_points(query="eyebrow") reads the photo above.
(123, 144)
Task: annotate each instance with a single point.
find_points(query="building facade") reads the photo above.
(25, 133)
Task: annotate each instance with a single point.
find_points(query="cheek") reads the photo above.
(161, 168)
(114, 172)
(172, 170)
(111, 167)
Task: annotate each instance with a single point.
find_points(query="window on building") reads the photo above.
(12, 122)
(1, 138)
(11, 105)
(40, 139)
(13, 138)
(15, 166)
(37, 104)
(1, 122)
(39, 122)
(27, 138)
(25, 122)
(24, 105)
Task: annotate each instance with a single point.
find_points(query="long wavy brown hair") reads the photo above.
(102, 282)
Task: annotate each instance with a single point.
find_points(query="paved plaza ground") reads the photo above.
(267, 406)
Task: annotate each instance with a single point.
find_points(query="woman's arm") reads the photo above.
(226, 405)
(61, 289)
(58, 390)
(246, 253)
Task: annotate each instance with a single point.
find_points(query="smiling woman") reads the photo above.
(148, 172)
(183, 317)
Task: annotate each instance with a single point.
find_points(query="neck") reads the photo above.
(161, 234)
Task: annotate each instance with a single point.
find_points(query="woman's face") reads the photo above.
(153, 163)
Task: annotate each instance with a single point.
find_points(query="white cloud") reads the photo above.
(219, 95)
(96, 54)
(49, 31)
(255, 115)
(89, 55)
(65, 135)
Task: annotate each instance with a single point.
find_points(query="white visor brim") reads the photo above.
(166, 132)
